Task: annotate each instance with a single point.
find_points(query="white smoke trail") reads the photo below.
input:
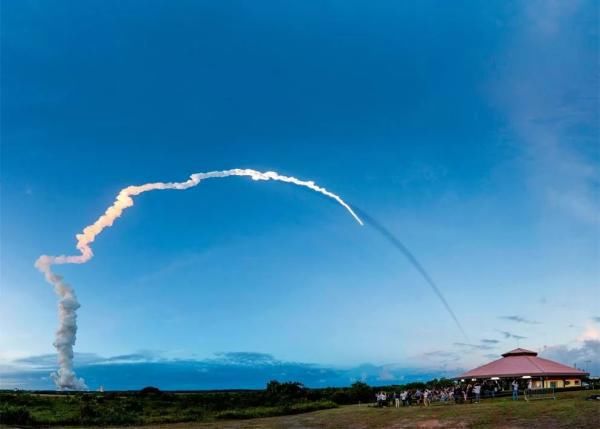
(65, 377)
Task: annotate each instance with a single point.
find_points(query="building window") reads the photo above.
(567, 382)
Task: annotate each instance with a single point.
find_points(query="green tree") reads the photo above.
(285, 393)
(360, 391)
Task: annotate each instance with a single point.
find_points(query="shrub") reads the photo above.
(149, 390)
(88, 412)
(360, 391)
(284, 393)
(15, 415)
(341, 397)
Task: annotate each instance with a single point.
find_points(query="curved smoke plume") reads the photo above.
(413, 261)
(65, 377)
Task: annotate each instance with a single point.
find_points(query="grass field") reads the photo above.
(570, 410)
(93, 409)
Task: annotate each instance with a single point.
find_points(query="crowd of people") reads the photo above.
(459, 394)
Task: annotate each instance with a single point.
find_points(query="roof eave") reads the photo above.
(521, 374)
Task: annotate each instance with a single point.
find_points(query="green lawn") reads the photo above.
(570, 410)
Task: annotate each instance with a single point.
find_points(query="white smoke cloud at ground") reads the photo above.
(65, 377)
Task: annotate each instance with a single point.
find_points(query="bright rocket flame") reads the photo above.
(65, 377)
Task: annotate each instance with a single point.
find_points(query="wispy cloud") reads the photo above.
(134, 357)
(508, 335)
(489, 341)
(474, 346)
(440, 358)
(50, 360)
(554, 118)
(439, 353)
(596, 319)
(246, 358)
(519, 319)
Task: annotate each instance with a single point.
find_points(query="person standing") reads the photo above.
(403, 396)
(515, 390)
(418, 396)
(477, 392)
(457, 394)
(529, 389)
(396, 400)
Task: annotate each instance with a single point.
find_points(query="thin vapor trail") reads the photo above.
(412, 259)
(65, 377)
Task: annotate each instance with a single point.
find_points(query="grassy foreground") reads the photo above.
(570, 410)
(128, 409)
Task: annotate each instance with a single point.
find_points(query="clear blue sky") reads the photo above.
(470, 129)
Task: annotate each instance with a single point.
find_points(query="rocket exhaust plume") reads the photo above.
(413, 261)
(65, 377)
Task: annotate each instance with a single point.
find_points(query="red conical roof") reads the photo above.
(520, 362)
(519, 352)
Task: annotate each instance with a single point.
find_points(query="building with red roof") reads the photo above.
(525, 364)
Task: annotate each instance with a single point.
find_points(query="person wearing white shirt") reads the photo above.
(403, 396)
(515, 390)
(477, 392)
(426, 394)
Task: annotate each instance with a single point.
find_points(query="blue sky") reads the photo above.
(470, 130)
